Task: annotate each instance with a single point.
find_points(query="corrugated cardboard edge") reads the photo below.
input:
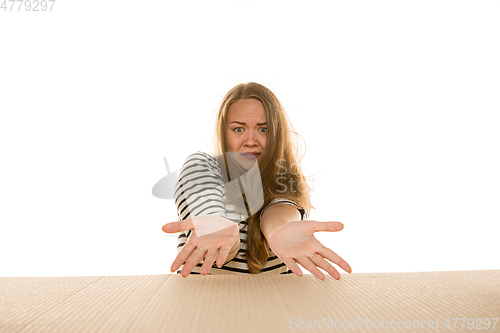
(248, 303)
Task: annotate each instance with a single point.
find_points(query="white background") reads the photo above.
(397, 103)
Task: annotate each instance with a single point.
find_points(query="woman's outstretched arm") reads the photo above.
(200, 206)
(293, 241)
(277, 215)
(213, 233)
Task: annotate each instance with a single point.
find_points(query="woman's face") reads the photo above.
(246, 131)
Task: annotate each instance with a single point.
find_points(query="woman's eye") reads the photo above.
(263, 129)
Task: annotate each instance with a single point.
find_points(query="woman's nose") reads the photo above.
(250, 139)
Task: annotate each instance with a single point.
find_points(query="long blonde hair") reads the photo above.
(280, 153)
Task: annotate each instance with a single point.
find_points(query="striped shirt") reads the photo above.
(200, 191)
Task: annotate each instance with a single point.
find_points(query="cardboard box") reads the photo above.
(421, 301)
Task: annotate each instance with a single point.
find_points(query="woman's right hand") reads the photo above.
(212, 238)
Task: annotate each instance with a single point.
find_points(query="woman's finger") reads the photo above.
(290, 263)
(310, 266)
(319, 261)
(178, 226)
(223, 252)
(193, 259)
(209, 261)
(182, 256)
(335, 258)
(325, 226)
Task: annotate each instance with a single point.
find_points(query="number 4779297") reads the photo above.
(478, 323)
(27, 5)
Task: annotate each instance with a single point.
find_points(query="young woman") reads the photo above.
(244, 207)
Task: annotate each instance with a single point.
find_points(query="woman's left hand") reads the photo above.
(294, 242)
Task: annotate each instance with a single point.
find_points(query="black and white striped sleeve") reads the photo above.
(284, 201)
(199, 191)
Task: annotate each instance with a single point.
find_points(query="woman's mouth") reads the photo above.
(250, 156)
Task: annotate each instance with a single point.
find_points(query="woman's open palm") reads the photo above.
(212, 237)
(294, 242)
